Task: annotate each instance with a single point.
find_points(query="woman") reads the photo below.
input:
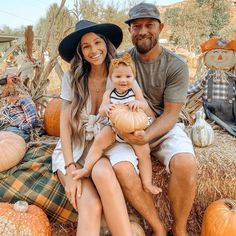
(89, 50)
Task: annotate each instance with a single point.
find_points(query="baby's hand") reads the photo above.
(134, 105)
(108, 109)
(139, 133)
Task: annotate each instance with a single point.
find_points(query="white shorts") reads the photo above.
(174, 142)
(122, 152)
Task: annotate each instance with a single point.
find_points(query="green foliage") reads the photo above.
(112, 12)
(91, 9)
(16, 32)
(187, 28)
(218, 15)
(62, 25)
(197, 20)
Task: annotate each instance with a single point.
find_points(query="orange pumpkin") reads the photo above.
(23, 219)
(52, 117)
(128, 121)
(13, 148)
(220, 218)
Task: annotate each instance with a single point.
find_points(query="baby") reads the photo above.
(125, 91)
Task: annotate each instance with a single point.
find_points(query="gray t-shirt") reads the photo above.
(164, 79)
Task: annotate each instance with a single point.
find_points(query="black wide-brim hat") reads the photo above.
(67, 47)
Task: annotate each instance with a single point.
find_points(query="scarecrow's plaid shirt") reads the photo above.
(23, 114)
(220, 85)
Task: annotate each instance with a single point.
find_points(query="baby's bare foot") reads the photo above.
(150, 188)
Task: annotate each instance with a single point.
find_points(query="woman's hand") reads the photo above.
(80, 173)
(73, 189)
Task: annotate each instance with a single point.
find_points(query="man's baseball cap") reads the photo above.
(143, 10)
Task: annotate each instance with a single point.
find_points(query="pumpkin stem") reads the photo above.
(21, 206)
(231, 204)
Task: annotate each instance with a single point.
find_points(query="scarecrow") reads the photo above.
(20, 110)
(218, 81)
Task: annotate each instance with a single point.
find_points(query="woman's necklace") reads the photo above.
(98, 87)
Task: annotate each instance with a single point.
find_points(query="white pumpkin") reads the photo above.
(202, 134)
(135, 223)
(12, 149)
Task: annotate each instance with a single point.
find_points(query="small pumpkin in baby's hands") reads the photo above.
(128, 121)
(202, 134)
(23, 219)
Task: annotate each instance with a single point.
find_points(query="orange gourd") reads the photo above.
(220, 218)
(52, 117)
(13, 148)
(128, 121)
(23, 219)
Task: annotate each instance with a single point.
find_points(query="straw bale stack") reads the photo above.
(216, 179)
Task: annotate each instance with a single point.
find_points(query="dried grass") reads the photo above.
(63, 229)
(216, 179)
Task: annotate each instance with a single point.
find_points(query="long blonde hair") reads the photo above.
(80, 70)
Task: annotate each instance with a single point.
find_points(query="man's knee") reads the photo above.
(184, 165)
(126, 175)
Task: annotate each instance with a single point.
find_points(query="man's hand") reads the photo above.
(139, 137)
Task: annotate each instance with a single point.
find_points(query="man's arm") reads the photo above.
(165, 122)
(143, 103)
(160, 126)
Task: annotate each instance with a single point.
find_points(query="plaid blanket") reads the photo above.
(33, 181)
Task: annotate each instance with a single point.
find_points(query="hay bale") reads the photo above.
(216, 179)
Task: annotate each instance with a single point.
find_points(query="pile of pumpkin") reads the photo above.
(219, 218)
(22, 219)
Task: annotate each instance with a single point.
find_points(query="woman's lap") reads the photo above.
(89, 197)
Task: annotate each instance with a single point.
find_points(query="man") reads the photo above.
(163, 77)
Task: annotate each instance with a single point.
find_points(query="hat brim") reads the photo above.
(141, 17)
(67, 47)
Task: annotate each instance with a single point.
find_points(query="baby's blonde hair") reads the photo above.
(126, 60)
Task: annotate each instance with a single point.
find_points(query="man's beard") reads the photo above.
(146, 46)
